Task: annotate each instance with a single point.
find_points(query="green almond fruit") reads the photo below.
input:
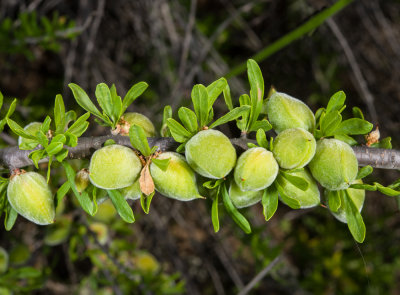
(145, 262)
(334, 165)
(114, 167)
(308, 198)
(242, 199)
(32, 129)
(256, 169)
(30, 195)
(132, 192)
(106, 212)
(285, 112)
(211, 154)
(178, 181)
(294, 148)
(128, 119)
(356, 195)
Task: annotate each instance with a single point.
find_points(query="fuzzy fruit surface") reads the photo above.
(256, 169)
(132, 192)
(178, 181)
(211, 154)
(242, 199)
(285, 112)
(30, 195)
(113, 167)
(140, 120)
(294, 148)
(334, 165)
(356, 195)
(32, 129)
(308, 198)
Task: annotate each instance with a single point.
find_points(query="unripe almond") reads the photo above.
(30, 195)
(294, 148)
(132, 192)
(334, 165)
(356, 195)
(285, 112)
(128, 119)
(256, 169)
(82, 180)
(178, 181)
(113, 167)
(211, 154)
(308, 198)
(242, 199)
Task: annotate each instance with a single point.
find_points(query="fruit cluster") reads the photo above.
(308, 150)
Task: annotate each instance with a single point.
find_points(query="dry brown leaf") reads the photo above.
(146, 181)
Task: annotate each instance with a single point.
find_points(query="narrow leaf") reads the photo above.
(234, 213)
(59, 114)
(364, 186)
(53, 148)
(354, 126)
(228, 97)
(61, 192)
(121, 205)
(232, 115)
(330, 122)
(347, 139)
(256, 90)
(270, 202)
(133, 93)
(336, 102)
(11, 109)
(145, 202)
(263, 124)
(292, 203)
(84, 101)
(200, 103)
(354, 219)
(138, 140)
(116, 103)
(214, 213)
(10, 218)
(104, 99)
(162, 164)
(262, 139)
(334, 201)
(387, 190)
(297, 181)
(179, 133)
(357, 113)
(18, 130)
(79, 126)
(214, 90)
(167, 113)
(62, 155)
(364, 172)
(188, 118)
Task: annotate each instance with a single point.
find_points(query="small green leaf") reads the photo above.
(364, 172)
(11, 109)
(45, 127)
(28, 146)
(167, 113)
(330, 122)
(80, 125)
(121, 205)
(383, 143)
(138, 140)
(62, 155)
(357, 113)
(334, 200)
(10, 218)
(188, 118)
(214, 214)
(211, 184)
(42, 138)
(59, 138)
(297, 181)
(318, 114)
(269, 202)
(179, 133)
(71, 139)
(133, 93)
(292, 203)
(83, 198)
(364, 186)
(162, 164)
(69, 117)
(36, 156)
(214, 90)
(59, 114)
(84, 101)
(354, 219)
(263, 124)
(228, 97)
(200, 103)
(256, 92)
(104, 99)
(116, 103)
(53, 148)
(232, 115)
(1, 100)
(354, 126)
(18, 130)
(251, 145)
(345, 138)
(387, 190)
(262, 139)
(145, 202)
(336, 102)
(234, 213)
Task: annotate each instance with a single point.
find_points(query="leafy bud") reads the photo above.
(30, 195)
(285, 112)
(178, 181)
(294, 148)
(114, 166)
(82, 180)
(256, 169)
(334, 165)
(211, 154)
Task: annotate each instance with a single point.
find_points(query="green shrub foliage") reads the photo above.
(206, 164)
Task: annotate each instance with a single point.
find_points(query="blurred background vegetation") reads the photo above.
(172, 45)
